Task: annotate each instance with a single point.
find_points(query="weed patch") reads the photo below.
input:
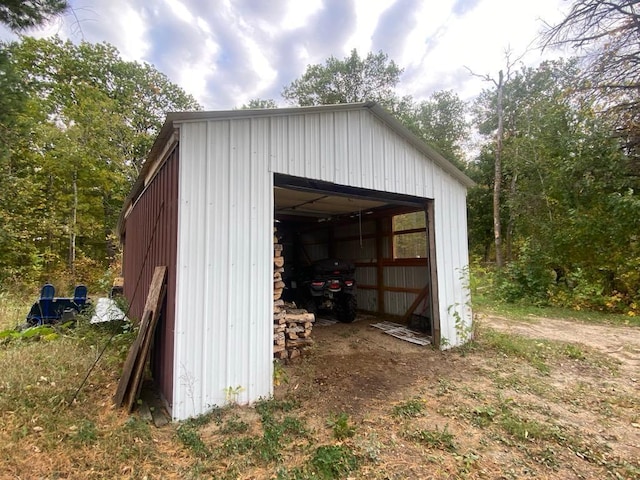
(409, 409)
(437, 439)
(333, 461)
(532, 351)
(190, 438)
(86, 433)
(234, 425)
(341, 427)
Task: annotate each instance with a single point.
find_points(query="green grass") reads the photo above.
(541, 354)
(535, 352)
(435, 438)
(409, 409)
(341, 427)
(333, 462)
(500, 399)
(13, 310)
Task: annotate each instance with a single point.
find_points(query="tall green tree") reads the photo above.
(22, 14)
(571, 211)
(441, 121)
(79, 131)
(352, 79)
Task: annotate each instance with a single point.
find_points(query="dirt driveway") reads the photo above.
(619, 342)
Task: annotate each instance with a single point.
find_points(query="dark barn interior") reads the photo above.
(385, 236)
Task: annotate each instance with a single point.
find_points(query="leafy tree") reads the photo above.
(22, 14)
(259, 103)
(572, 212)
(350, 80)
(607, 34)
(441, 122)
(81, 122)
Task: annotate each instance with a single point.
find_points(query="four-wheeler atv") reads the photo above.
(329, 285)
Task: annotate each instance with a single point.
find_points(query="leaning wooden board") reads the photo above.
(129, 363)
(145, 349)
(129, 385)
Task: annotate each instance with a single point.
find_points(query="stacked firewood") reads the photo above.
(291, 325)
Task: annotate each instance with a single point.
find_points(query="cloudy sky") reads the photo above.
(226, 52)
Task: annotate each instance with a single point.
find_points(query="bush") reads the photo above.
(528, 278)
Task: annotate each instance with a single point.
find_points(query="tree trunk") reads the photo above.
(497, 182)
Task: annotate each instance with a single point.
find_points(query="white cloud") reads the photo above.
(477, 40)
(367, 14)
(180, 10)
(298, 13)
(130, 38)
(229, 51)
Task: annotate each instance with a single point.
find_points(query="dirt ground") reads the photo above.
(580, 418)
(619, 342)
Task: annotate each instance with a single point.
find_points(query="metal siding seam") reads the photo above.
(387, 161)
(231, 259)
(353, 149)
(264, 235)
(364, 147)
(329, 157)
(208, 223)
(241, 313)
(220, 186)
(198, 262)
(443, 268)
(341, 175)
(198, 256)
(308, 137)
(314, 147)
(182, 279)
(288, 139)
(378, 157)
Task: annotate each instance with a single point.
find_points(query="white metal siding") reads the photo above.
(452, 263)
(224, 326)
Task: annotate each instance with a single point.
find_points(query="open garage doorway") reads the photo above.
(387, 237)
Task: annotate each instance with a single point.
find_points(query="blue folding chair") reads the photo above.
(80, 295)
(45, 303)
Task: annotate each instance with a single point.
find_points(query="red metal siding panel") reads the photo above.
(150, 240)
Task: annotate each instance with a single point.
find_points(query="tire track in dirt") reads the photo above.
(618, 341)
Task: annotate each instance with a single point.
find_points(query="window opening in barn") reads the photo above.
(409, 235)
